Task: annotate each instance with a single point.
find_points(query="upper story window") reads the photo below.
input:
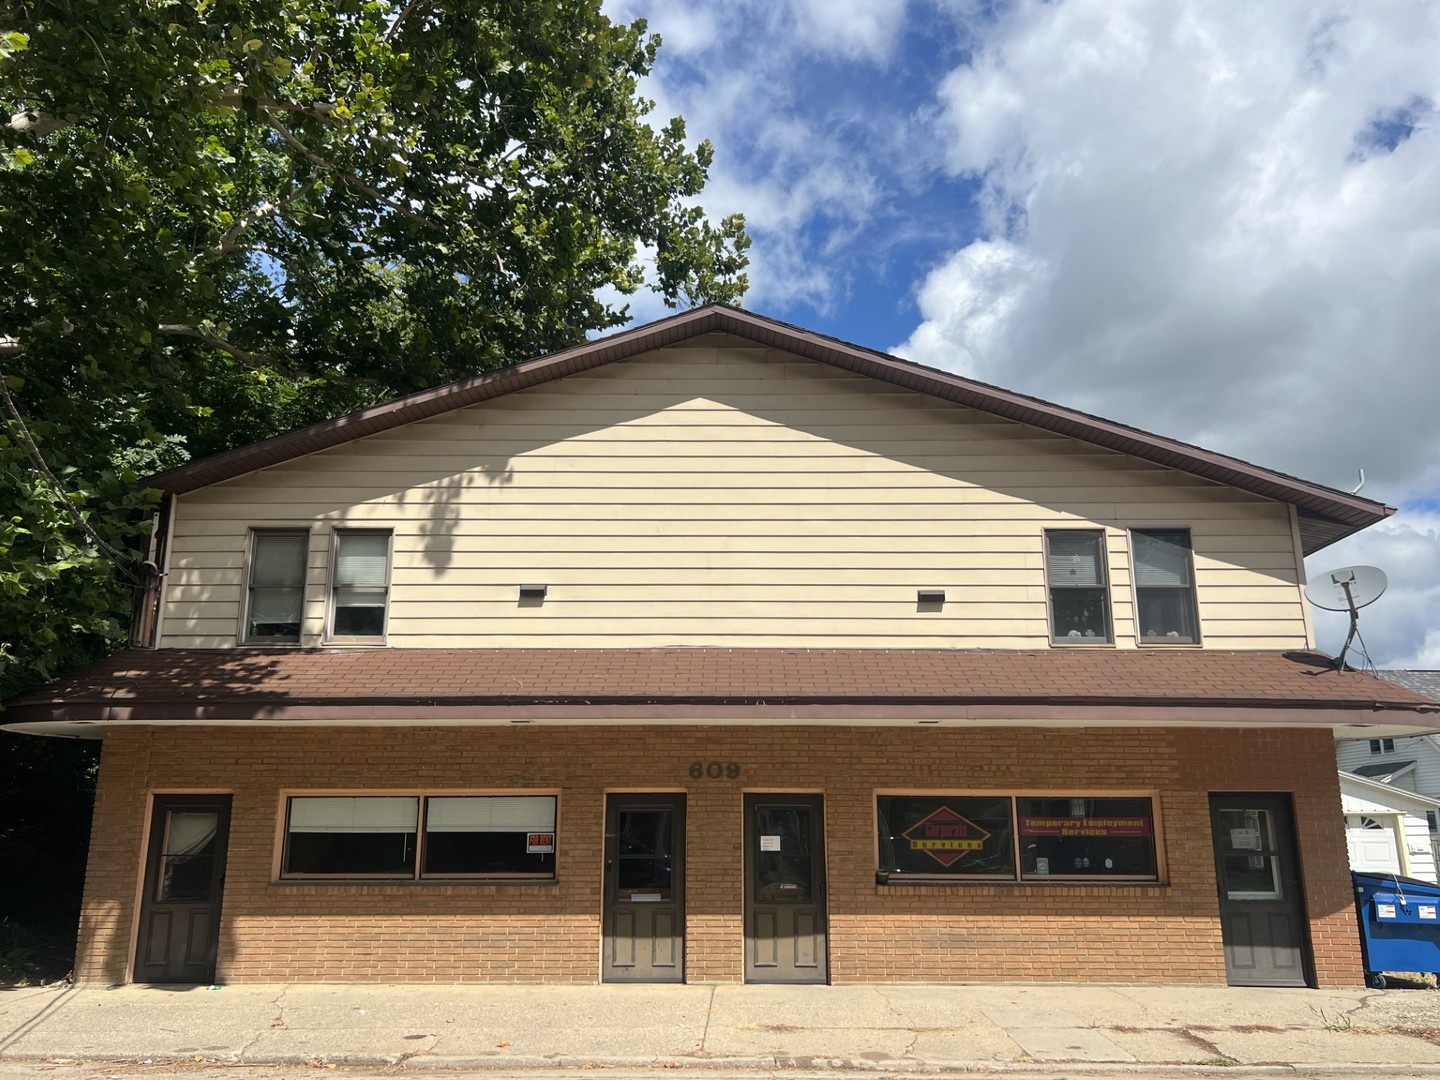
(276, 595)
(1164, 587)
(1079, 596)
(1382, 746)
(360, 584)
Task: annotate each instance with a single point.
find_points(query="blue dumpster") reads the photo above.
(1399, 924)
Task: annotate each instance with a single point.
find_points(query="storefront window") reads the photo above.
(976, 837)
(379, 836)
(952, 836)
(501, 835)
(361, 836)
(1086, 837)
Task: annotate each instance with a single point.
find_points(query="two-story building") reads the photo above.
(719, 650)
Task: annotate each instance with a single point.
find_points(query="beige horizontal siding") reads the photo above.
(728, 496)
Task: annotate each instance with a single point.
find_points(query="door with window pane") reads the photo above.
(1262, 908)
(184, 879)
(785, 889)
(644, 916)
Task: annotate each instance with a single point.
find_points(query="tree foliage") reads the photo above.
(223, 218)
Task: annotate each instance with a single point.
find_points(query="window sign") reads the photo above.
(1082, 837)
(769, 843)
(946, 835)
(978, 837)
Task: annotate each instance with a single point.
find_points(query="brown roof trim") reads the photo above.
(1327, 514)
(1382, 718)
(1215, 711)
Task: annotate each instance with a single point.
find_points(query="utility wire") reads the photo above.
(120, 559)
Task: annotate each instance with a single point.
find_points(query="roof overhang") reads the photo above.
(1326, 514)
(90, 722)
(1060, 688)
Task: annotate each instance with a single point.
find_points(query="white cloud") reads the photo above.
(1219, 222)
(1204, 254)
(807, 173)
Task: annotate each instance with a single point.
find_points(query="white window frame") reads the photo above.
(1108, 640)
(252, 542)
(332, 587)
(1148, 642)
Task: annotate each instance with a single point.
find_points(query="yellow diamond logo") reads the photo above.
(946, 836)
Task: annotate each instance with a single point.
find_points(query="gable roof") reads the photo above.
(1384, 770)
(1326, 514)
(1375, 791)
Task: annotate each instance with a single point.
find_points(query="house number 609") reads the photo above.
(714, 770)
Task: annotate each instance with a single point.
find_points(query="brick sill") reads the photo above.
(450, 887)
(1042, 888)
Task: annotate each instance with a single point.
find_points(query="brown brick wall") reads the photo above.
(550, 933)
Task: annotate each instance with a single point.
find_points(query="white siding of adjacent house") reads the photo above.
(1403, 826)
(728, 495)
(1421, 749)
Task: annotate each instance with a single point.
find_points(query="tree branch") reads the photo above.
(395, 26)
(35, 123)
(346, 177)
(257, 361)
(227, 243)
(232, 96)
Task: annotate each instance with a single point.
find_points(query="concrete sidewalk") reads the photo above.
(876, 1028)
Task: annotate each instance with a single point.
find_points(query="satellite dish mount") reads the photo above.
(1347, 589)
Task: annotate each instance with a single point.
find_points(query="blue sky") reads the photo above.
(1219, 222)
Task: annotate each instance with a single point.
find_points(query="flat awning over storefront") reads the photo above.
(1061, 688)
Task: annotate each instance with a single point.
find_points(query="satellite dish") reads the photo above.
(1348, 588)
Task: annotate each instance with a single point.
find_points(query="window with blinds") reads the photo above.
(1078, 586)
(360, 584)
(420, 836)
(275, 598)
(1164, 586)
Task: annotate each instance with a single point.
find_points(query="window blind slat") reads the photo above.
(1074, 559)
(1162, 559)
(360, 814)
(490, 813)
(362, 559)
(279, 560)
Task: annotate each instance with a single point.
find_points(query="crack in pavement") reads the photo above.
(279, 1006)
(709, 1010)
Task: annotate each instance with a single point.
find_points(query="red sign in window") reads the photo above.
(1084, 826)
(946, 836)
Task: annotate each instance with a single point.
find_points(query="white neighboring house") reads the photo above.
(1407, 764)
(1386, 828)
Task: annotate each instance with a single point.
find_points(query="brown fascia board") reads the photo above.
(1326, 514)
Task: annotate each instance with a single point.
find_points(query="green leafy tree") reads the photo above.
(219, 219)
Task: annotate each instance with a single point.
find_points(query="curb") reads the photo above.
(743, 1065)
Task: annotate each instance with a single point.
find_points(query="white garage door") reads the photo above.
(1373, 847)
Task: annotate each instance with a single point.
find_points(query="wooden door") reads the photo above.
(184, 880)
(785, 889)
(644, 902)
(1262, 906)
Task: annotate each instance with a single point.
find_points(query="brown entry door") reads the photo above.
(184, 879)
(644, 915)
(1262, 908)
(784, 889)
